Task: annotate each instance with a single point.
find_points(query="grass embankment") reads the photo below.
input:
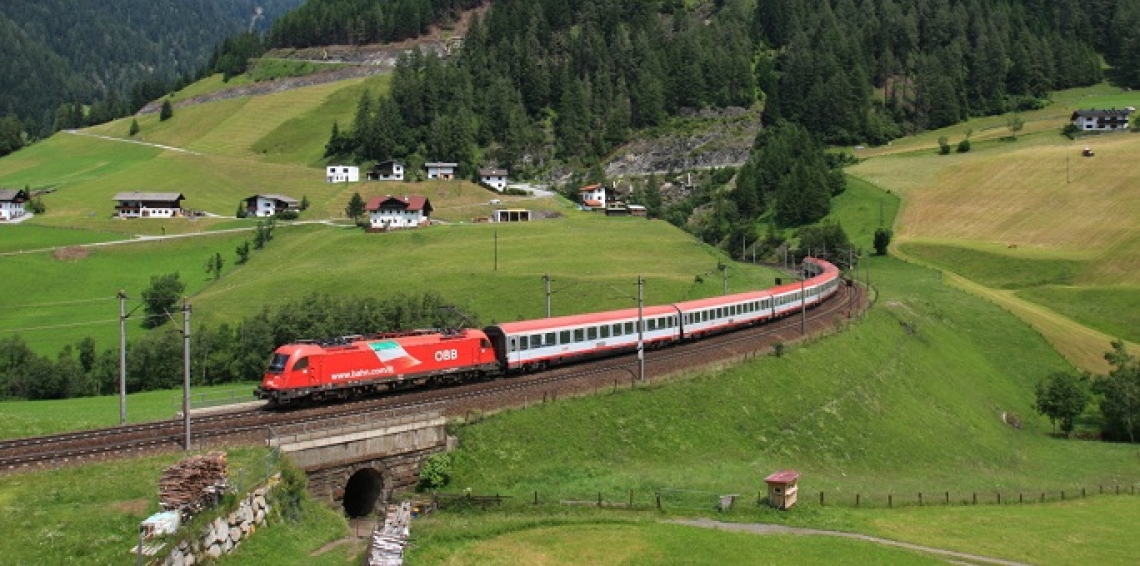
(19, 419)
(1032, 225)
(91, 514)
(909, 400)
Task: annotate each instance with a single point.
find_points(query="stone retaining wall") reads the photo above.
(224, 534)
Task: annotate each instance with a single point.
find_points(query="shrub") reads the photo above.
(964, 146)
(287, 215)
(943, 146)
(436, 472)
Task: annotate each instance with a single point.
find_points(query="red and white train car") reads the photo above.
(536, 344)
(375, 363)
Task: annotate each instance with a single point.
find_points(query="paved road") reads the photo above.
(764, 529)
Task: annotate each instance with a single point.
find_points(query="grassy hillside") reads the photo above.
(1029, 222)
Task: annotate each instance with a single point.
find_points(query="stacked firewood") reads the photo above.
(193, 483)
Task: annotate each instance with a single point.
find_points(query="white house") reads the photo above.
(594, 196)
(342, 173)
(394, 213)
(494, 178)
(387, 171)
(148, 205)
(12, 203)
(1102, 120)
(441, 171)
(268, 205)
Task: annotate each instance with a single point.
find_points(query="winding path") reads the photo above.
(766, 529)
(136, 142)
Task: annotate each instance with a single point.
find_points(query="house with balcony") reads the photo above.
(396, 213)
(12, 203)
(270, 205)
(441, 171)
(137, 204)
(1108, 120)
(390, 170)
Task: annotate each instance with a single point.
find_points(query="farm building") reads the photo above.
(493, 178)
(593, 196)
(12, 203)
(1102, 120)
(389, 170)
(148, 205)
(268, 205)
(394, 213)
(342, 174)
(441, 171)
(512, 215)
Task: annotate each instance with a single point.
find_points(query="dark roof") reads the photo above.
(1103, 113)
(136, 195)
(12, 195)
(411, 202)
(451, 165)
(282, 198)
(492, 172)
(388, 162)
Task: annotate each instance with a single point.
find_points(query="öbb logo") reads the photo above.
(446, 355)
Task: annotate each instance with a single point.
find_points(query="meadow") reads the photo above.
(1027, 221)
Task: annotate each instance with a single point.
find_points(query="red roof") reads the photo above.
(593, 187)
(594, 203)
(783, 476)
(412, 202)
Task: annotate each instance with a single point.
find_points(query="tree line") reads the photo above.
(223, 353)
(1064, 396)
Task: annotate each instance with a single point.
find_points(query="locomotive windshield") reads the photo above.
(277, 364)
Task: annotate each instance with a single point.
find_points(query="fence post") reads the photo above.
(890, 500)
(1082, 492)
(856, 499)
(1118, 489)
(615, 385)
(1020, 498)
(1062, 495)
(999, 498)
(821, 499)
(975, 498)
(658, 496)
(947, 497)
(1043, 497)
(631, 499)
(920, 499)
(536, 497)
(599, 499)
(1101, 490)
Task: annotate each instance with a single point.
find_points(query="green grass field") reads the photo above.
(1030, 215)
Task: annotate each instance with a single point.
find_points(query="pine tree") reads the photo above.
(167, 111)
(134, 128)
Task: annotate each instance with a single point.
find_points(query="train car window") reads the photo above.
(704, 316)
(514, 347)
(524, 342)
(536, 341)
(277, 364)
(579, 335)
(564, 337)
(484, 343)
(629, 328)
(592, 333)
(301, 364)
(652, 324)
(617, 329)
(549, 339)
(606, 331)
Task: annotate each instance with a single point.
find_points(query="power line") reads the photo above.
(59, 303)
(54, 326)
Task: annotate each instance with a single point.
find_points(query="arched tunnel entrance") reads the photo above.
(362, 492)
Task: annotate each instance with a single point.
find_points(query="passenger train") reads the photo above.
(382, 362)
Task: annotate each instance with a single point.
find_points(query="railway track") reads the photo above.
(255, 425)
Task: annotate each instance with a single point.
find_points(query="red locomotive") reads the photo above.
(383, 362)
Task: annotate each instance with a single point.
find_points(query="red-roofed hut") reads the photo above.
(782, 488)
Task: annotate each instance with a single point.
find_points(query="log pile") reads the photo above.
(193, 483)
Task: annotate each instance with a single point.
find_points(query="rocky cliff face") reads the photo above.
(700, 140)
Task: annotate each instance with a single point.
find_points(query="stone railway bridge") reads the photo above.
(359, 465)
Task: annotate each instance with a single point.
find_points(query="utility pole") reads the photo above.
(724, 275)
(186, 370)
(546, 280)
(122, 357)
(640, 329)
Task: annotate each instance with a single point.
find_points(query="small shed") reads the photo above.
(783, 488)
(512, 215)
